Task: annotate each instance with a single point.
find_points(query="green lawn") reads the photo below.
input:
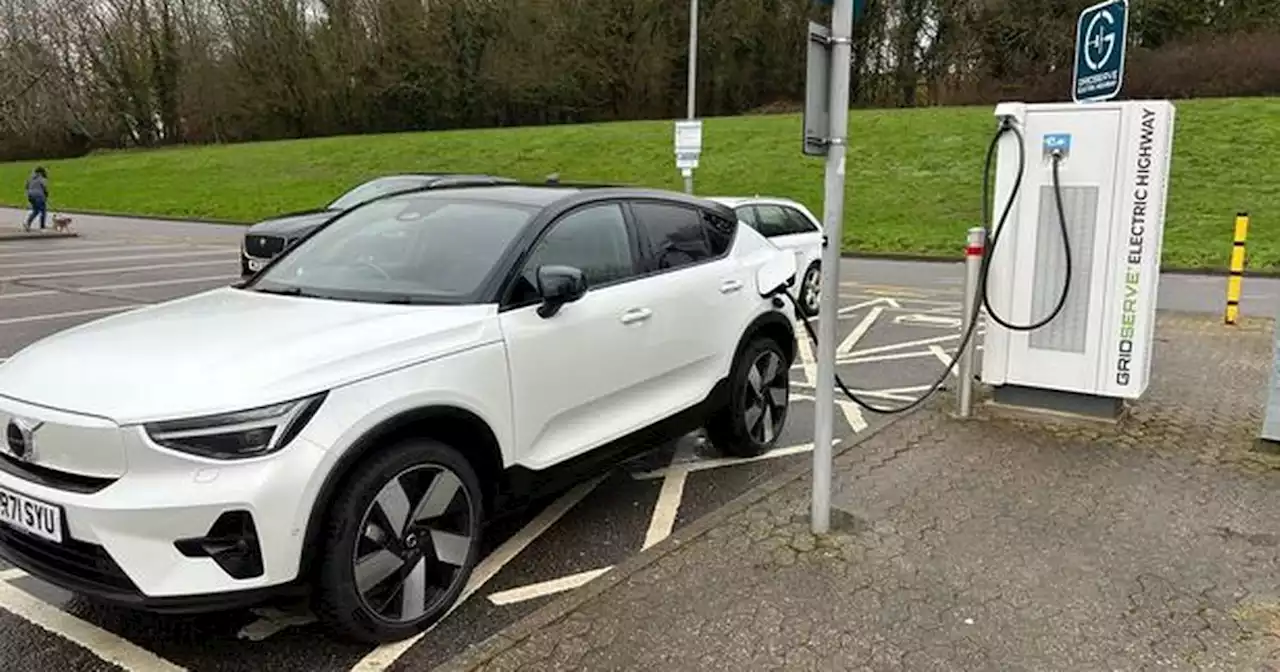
(913, 175)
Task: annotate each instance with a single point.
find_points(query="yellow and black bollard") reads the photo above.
(1237, 268)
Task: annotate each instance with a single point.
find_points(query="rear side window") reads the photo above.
(747, 214)
(719, 232)
(773, 221)
(676, 234)
(798, 222)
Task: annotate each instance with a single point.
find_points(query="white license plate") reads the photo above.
(30, 515)
(256, 265)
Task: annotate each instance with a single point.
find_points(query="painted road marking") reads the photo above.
(666, 508)
(70, 313)
(97, 641)
(926, 320)
(101, 248)
(13, 573)
(859, 331)
(126, 269)
(880, 301)
(112, 288)
(717, 463)
(946, 359)
(386, 655)
(807, 363)
(663, 519)
(535, 590)
(103, 260)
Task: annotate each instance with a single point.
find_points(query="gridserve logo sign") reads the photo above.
(1101, 33)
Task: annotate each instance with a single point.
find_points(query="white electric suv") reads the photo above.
(347, 420)
(791, 226)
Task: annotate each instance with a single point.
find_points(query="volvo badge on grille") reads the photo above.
(20, 438)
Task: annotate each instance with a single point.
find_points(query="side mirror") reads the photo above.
(558, 285)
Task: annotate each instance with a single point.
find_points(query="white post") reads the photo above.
(833, 225)
(692, 85)
(973, 252)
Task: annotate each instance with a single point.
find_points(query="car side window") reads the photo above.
(747, 215)
(799, 223)
(676, 235)
(593, 239)
(719, 232)
(773, 221)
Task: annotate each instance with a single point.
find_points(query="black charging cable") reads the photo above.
(1006, 126)
(994, 236)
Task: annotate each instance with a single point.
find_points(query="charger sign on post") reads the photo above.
(1101, 33)
(688, 145)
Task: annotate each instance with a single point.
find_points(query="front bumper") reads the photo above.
(130, 539)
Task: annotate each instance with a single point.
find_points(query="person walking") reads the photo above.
(38, 196)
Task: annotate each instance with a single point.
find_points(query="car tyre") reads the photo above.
(811, 290)
(400, 543)
(759, 394)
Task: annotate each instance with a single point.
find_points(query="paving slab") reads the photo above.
(995, 543)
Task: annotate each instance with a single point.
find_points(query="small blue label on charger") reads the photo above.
(1057, 142)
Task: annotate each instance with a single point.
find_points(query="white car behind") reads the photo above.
(791, 226)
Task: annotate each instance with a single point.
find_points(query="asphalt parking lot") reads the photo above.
(893, 343)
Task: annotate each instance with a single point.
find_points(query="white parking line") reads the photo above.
(112, 288)
(945, 359)
(545, 588)
(807, 363)
(703, 465)
(69, 313)
(13, 573)
(99, 249)
(666, 508)
(99, 642)
(103, 260)
(126, 269)
(18, 245)
(386, 655)
(859, 331)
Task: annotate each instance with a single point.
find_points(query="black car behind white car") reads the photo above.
(267, 239)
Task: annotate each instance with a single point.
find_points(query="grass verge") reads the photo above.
(913, 175)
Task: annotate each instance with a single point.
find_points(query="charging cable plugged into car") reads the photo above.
(1007, 125)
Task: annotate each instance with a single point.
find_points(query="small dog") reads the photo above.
(61, 223)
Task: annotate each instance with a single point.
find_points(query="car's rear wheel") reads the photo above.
(759, 394)
(401, 543)
(811, 290)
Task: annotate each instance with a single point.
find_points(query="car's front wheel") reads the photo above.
(401, 542)
(759, 391)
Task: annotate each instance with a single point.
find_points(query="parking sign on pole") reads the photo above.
(841, 41)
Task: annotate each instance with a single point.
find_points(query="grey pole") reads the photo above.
(973, 252)
(833, 224)
(692, 84)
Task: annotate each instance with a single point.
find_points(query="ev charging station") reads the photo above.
(1079, 200)
(1113, 178)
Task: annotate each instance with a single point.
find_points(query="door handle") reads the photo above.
(636, 315)
(730, 286)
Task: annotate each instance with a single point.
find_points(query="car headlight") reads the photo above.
(242, 434)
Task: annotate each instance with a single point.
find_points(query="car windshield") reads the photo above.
(375, 188)
(424, 247)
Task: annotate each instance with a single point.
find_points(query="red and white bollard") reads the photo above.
(973, 251)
